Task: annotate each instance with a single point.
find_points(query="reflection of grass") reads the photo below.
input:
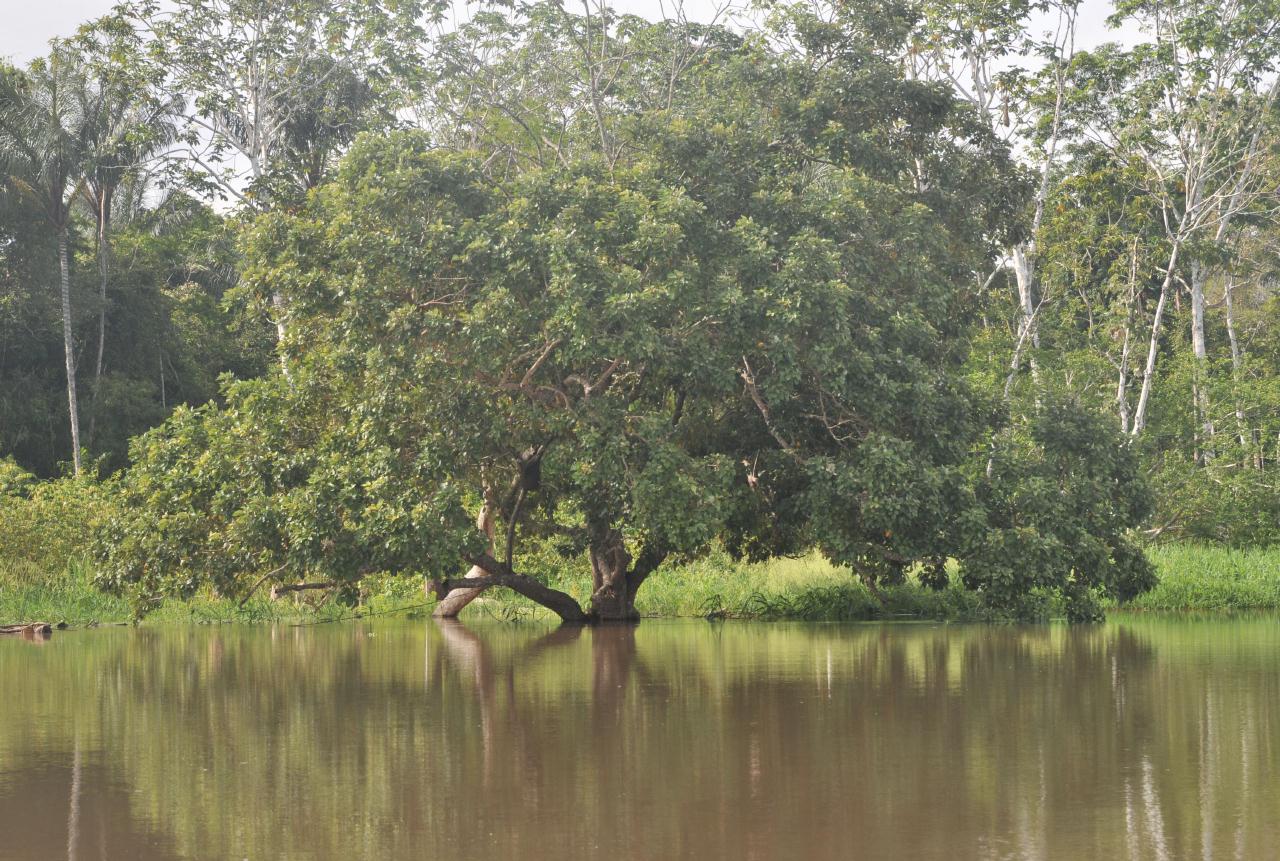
(808, 588)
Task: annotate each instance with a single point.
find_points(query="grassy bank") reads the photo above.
(1191, 577)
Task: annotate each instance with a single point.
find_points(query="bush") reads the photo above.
(45, 525)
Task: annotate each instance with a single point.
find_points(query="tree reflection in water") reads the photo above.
(1142, 739)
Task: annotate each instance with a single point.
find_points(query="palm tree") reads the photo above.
(43, 146)
(125, 122)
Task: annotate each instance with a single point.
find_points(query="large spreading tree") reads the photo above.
(746, 321)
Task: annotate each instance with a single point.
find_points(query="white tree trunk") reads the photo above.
(1028, 331)
(1200, 371)
(104, 270)
(278, 306)
(1122, 383)
(1126, 349)
(1237, 364)
(1153, 347)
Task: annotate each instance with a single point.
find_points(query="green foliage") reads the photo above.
(169, 332)
(14, 480)
(1060, 500)
(271, 481)
(441, 324)
(29, 593)
(807, 588)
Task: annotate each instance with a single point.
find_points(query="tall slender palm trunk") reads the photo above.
(68, 345)
(104, 272)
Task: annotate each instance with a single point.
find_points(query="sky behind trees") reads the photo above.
(29, 26)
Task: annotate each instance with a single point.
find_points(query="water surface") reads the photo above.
(1143, 738)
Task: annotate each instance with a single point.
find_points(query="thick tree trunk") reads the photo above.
(453, 603)
(614, 586)
(612, 598)
(615, 581)
(68, 346)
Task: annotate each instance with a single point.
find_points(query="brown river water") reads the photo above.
(1144, 738)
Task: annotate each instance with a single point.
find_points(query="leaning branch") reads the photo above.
(263, 579)
(749, 379)
(277, 591)
(533, 369)
(500, 574)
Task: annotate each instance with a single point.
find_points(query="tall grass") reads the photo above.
(31, 592)
(806, 588)
(1201, 577)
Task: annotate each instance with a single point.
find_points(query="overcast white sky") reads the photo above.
(26, 26)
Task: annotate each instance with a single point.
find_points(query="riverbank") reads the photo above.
(1191, 577)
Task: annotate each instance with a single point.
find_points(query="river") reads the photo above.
(1144, 738)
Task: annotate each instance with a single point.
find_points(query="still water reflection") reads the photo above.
(1138, 739)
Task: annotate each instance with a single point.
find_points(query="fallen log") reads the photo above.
(32, 629)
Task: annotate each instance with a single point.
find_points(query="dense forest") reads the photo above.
(307, 291)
